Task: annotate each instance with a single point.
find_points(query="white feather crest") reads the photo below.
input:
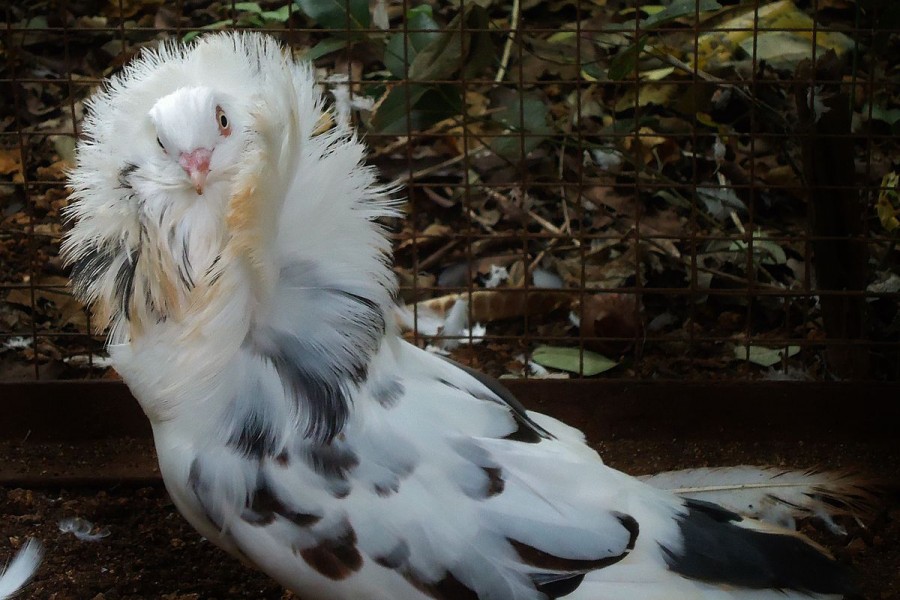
(313, 199)
(772, 494)
(21, 569)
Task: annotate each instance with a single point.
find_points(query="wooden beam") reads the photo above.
(73, 411)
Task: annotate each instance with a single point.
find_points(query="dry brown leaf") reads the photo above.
(493, 305)
(54, 172)
(610, 316)
(52, 289)
(49, 229)
(11, 164)
(650, 148)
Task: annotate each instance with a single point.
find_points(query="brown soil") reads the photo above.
(151, 552)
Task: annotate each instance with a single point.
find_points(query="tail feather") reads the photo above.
(775, 495)
(718, 546)
(21, 569)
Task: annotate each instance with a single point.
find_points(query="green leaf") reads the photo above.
(879, 112)
(38, 22)
(626, 61)
(419, 18)
(248, 7)
(678, 9)
(217, 25)
(762, 356)
(333, 14)
(659, 16)
(65, 147)
(428, 105)
(592, 71)
(570, 359)
(525, 113)
(766, 250)
(390, 117)
(561, 37)
(453, 49)
(279, 16)
(326, 46)
(481, 51)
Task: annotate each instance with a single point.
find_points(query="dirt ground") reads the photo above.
(151, 552)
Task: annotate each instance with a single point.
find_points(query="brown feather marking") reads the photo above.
(544, 560)
(242, 221)
(448, 588)
(396, 558)
(496, 484)
(171, 298)
(249, 218)
(336, 558)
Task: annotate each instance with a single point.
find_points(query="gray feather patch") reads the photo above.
(388, 393)
(320, 371)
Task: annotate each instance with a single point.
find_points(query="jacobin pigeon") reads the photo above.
(233, 244)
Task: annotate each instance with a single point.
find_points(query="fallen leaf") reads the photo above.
(609, 316)
(11, 164)
(718, 47)
(573, 360)
(762, 356)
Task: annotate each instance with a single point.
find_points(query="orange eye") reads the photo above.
(224, 123)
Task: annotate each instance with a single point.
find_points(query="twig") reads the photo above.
(507, 47)
(441, 125)
(540, 255)
(683, 66)
(427, 170)
(437, 255)
(567, 223)
(438, 199)
(686, 262)
(737, 222)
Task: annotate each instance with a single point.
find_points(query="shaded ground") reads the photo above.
(151, 552)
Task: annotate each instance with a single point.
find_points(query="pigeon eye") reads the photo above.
(224, 124)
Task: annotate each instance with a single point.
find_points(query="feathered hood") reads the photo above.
(145, 248)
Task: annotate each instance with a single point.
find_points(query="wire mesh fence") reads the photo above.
(689, 189)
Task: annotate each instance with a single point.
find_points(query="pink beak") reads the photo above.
(196, 164)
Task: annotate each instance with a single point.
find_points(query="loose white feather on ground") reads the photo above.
(22, 568)
(235, 246)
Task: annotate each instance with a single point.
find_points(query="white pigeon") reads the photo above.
(232, 243)
(20, 571)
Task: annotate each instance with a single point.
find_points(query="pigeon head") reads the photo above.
(152, 200)
(194, 131)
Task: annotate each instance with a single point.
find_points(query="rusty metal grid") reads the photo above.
(830, 303)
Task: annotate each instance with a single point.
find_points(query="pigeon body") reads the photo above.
(233, 247)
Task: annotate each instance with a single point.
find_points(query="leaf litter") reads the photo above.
(602, 175)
